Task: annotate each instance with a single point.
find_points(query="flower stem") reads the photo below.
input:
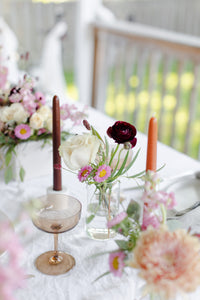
(111, 159)
(164, 215)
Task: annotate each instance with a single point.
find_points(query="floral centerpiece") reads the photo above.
(99, 165)
(168, 261)
(25, 116)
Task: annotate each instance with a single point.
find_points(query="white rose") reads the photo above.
(45, 111)
(15, 112)
(1, 111)
(36, 121)
(79, 150)
(20, 115)
(6, 114)
(48, 124)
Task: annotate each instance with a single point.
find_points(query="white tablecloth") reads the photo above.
(78, 283)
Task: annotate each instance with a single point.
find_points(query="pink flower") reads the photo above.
(11, 274)
(168, 261)
(71, 112)
(41, 131)
(66, 111)
(168, 199)
(116, 263)
(149, 219)
(84, 173)
(102, 173)
(77, 117)
(40, 97)
(153, 199)
(117, 219)
(29, 102)
(15, 97)
(22, 131)
(23, 93)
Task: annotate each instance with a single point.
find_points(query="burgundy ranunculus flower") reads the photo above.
(123, 132)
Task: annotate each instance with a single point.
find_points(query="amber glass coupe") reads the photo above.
(55, 214)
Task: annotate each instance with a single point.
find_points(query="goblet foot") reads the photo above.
(51, 264)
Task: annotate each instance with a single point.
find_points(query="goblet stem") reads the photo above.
(56, 258)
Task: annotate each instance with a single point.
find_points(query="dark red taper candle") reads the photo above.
(57, 179)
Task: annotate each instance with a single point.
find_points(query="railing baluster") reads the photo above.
(152, 52)
(191, 112)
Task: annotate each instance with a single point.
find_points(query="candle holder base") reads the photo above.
(50, 190)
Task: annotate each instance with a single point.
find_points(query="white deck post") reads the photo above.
(86, 11)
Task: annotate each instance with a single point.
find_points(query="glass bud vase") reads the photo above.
(102, 206)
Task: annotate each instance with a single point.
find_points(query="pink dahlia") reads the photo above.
(116, 220)
(84, 173)
(116, 263)
(102, 173)
(22, 131)
(168, 261)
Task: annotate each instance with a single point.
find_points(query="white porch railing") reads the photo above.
(140, 70)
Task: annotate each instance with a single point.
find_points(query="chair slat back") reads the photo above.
(139, 71)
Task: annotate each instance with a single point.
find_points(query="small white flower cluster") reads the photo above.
(42, 118)
(14, 112)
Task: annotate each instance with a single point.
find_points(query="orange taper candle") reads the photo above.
(151, 161)
(57, 180)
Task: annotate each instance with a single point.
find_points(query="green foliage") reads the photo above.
(89, 219)
(129, 227)
(8, 174)
(94, 132)
(22, 174)
(122, 244)
(133, 210)
(8, 156)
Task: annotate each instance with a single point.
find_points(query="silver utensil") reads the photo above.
(174, 214)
